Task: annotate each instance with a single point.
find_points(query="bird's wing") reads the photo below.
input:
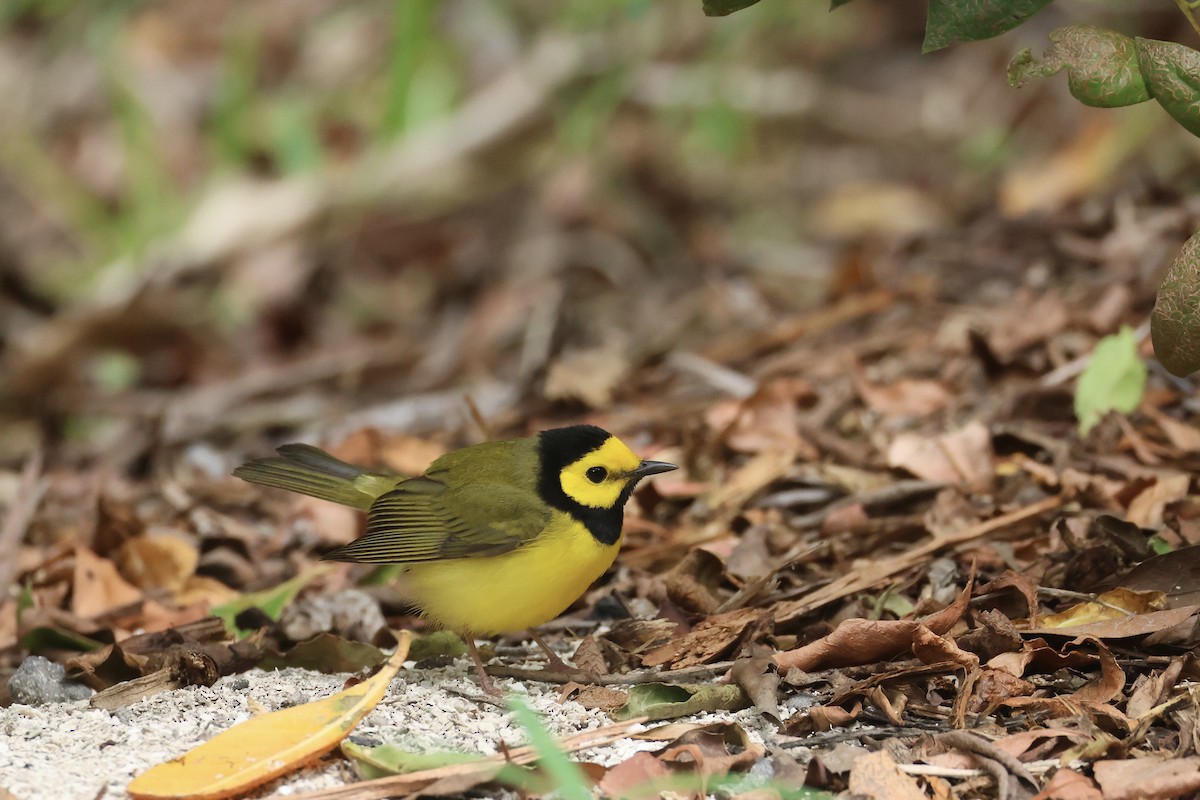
(416, 521)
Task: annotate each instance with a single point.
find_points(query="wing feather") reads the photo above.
(424, 520)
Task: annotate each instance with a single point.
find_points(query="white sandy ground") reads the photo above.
(70, 751)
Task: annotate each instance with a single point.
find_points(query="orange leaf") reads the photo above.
(265, 747)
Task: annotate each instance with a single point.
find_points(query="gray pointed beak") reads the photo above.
(651, 468)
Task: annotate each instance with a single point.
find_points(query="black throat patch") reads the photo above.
(557, 449)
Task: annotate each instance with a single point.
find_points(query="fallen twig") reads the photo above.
(701, 672)
(414, 781)
(876, 572)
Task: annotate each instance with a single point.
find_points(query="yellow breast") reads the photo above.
(520, 589)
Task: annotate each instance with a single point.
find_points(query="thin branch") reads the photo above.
(645, 676)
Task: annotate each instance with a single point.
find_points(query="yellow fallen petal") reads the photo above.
(265, 747)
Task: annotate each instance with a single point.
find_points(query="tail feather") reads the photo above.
(308, 470)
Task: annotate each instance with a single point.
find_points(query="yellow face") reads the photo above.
(597, 479)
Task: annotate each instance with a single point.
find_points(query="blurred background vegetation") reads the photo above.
(219, 218)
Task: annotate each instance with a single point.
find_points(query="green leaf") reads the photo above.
(949, 21)
(1113, 380)
(1160, 546)
(436, 643)
(569, 780)
(389, 759)
(47, 638)
(272, 601)
(1175, 321)
(1172, 73)
(669, 700)
(721, 8)
(1102, 66)
(327, 653)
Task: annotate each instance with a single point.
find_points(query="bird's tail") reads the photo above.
(311, 471)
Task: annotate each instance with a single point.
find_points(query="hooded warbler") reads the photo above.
(495, 537)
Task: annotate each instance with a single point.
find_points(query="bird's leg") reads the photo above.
(553, 662)
(485, 680)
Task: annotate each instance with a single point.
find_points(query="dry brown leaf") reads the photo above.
(847, 519)
(994, 686)
(1022, 583)
(1016, 744)
(589, 657)
(714, 749)
(962, 457)
(1067, 784)
(759, 677)
(1146, 510)
(1176, 574)
(864, 641)
(157, 561)
(750, 478)
(1125, 627)
(1039, 656)
(1153, 777)
(604, 698)
(872, 572)
(1027, 322)
(1070, 708)
(692, 584)
(201, 589)
(877, 776)
(1183, 437)
(589, 375)
(634, 777)
(994, 635)
(1075, 170)
(8, 624)
(712, 637)
(766, 420)
(931, 648)
(864, 208)
(1116, 604)
(98, 586)
(907, 397)
(824, 718)
(1107, 687)
(1153, 690)
(334, 523)
(408, 455)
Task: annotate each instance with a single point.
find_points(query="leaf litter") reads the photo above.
(892, 564)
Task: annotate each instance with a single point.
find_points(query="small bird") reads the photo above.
(496, 537)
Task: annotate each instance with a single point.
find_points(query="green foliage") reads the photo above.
(1172, 74)
(569, 780)
(1102, 66)
(412, 29)
(950, 21)
(270, 601)
(669, 700)
(436, 643)
(720, 8)
(1105, 69)
(389, 759)
(562, 777)
(1114, 380)
(1175, 321)
(327, 653)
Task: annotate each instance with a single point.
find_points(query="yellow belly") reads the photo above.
(519, 589)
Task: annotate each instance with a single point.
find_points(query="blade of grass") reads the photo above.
(569, 780)
(411, 31)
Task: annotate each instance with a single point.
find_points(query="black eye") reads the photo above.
(597, 474)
